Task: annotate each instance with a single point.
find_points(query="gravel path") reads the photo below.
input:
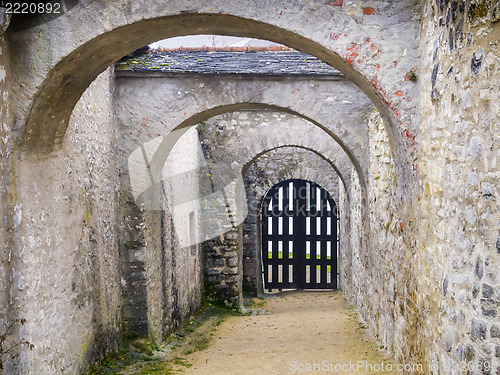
(298, 331)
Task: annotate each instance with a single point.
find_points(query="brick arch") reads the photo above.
(90, 37)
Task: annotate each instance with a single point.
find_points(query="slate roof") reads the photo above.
(274, 63)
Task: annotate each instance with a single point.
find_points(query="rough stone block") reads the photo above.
(232, 279)
(230, 271)
(488, 291)
(478, 330)
(495, 14)
(216, 262)
(489, 311)
(475, 291)
(213, 271)
(232, 262)
(459, 352)
(469, 353)
(495, 331)
(213, 279)
(231, 235)
(448, 339)
(478, 12)
(479, 269)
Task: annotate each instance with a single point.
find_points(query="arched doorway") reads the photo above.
(299, 237)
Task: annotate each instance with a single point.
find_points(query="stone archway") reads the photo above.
(80, 45)
(224, 260)
(353, 46)
(321, 170)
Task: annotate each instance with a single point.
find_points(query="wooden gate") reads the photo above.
(299, 237)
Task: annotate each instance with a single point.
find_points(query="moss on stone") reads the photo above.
(478, 11)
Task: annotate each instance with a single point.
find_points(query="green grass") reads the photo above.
(111, 362)
(249, 303)
(194, 337)
(308, 256)
(182, 362)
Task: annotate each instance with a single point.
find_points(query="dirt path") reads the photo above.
(298, 329)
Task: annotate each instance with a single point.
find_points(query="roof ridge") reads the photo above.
(225, 49)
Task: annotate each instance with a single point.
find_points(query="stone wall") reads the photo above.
(66, 282)
(378, 267)
(7, 262)
(459, 150)
(161, 264)
(223, 284)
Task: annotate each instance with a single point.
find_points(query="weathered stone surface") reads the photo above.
(478, 12)
(457, 137)
(331, 114)
(232, 262)
(355, 38)
(488, 291)
(69, 212)
(489, 311)
(495, 331)
(64, 265)
(4, 20)
(495, 13)
(478, 329)
(448, 339)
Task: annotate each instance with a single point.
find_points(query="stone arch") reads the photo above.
(64, 74)
(341, 176)
(158, 160)
(235, 149)
(161, 154)
(270, 130)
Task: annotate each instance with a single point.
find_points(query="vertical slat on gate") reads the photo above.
(265, 250)
(285, 261)
(324, 223)
(276, 212)
(313, 213)
(266, 216)
(299, 231)
(335, 245)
